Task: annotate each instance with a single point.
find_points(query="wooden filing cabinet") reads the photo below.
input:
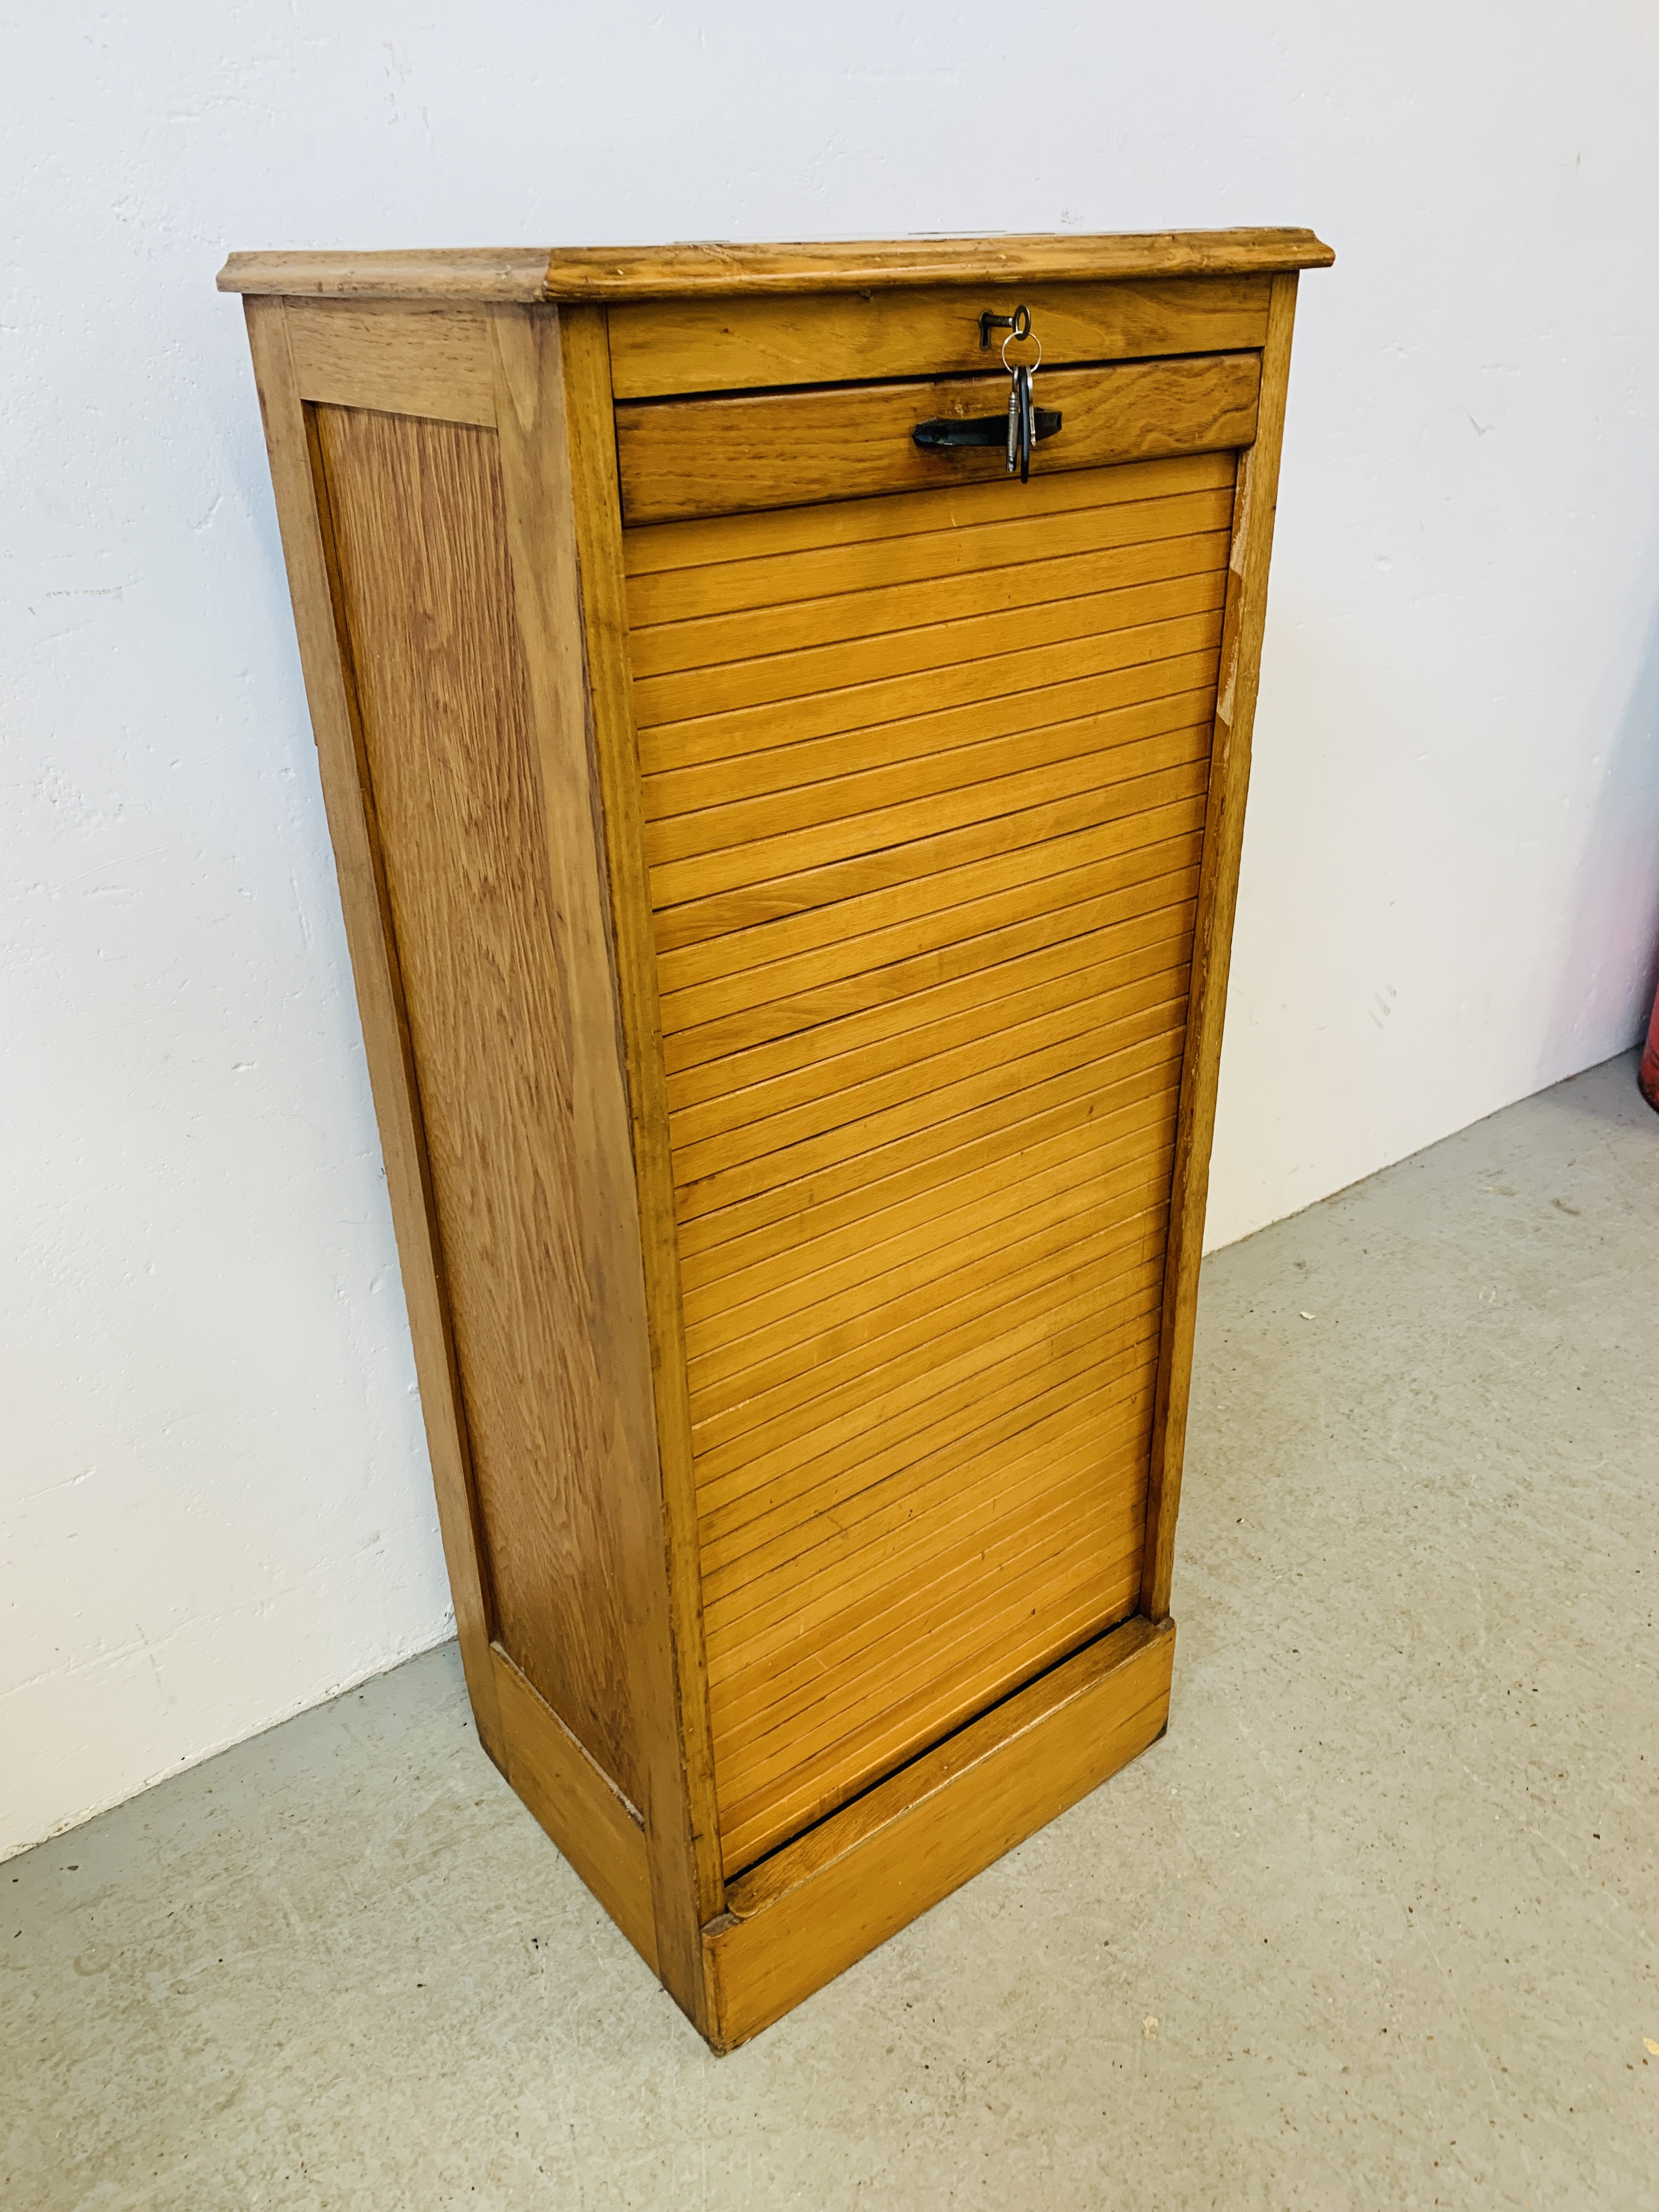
(789, 871)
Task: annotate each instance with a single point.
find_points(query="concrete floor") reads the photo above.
(1374, 1925)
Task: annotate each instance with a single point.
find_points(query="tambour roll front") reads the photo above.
(784, 715)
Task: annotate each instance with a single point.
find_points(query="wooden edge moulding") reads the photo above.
(789, 834)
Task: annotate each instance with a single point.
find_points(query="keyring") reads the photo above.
(1032, 365)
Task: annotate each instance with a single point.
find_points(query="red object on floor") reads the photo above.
(1647, 1074)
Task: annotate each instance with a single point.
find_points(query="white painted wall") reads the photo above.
(214, 1496)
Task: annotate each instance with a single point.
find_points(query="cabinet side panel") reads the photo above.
(295, 475)
(427, 601)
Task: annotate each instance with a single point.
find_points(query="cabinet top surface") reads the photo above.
(722, 267)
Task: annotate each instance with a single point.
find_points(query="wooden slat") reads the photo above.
(1059, 1237)
(785, 1623)
(429, 362)
(896, 703)
(923, 1666)
(983, 1674)
(858, 1549)
(818, 671)
(672, 553)
(831, 800)
(776, 1454)
(839, 1197)
(1105, 512)
(683, 457)
(787, 975)
(1056, 763)
(724, 1170)
(992, 968)
(750, 1520)
(795, 1100)
(754, 1307)
(808, 1022)
(926, 866)
(717, 345)
(779, 1717)
(855, 604)
(926, 949)
(798, 1333)
(781, 1548)
(924, 744)
(1066, 1262)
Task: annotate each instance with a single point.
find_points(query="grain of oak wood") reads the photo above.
(798, 1106)
(307, 551)
(803, 1381)
(931, 1615)
(825, 673)
(911, 707)
(896, 1424)
(829, 826)
(1000, 1389)
(958, 1643)
(1193, 537)
(976, 1241)
(978, 1670)
(808, 1024)
(427, 598)
(922, 872)
(761, 1444)
(866, 847)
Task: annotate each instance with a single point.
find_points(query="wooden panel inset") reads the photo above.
(922, 816)
(732, 345)
(426, 599)
(681, 458)
(432, 361)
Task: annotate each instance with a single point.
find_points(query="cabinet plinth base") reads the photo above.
(810, 1910)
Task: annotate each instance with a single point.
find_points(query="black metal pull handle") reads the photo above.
(980, 429)
(1024, 423)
